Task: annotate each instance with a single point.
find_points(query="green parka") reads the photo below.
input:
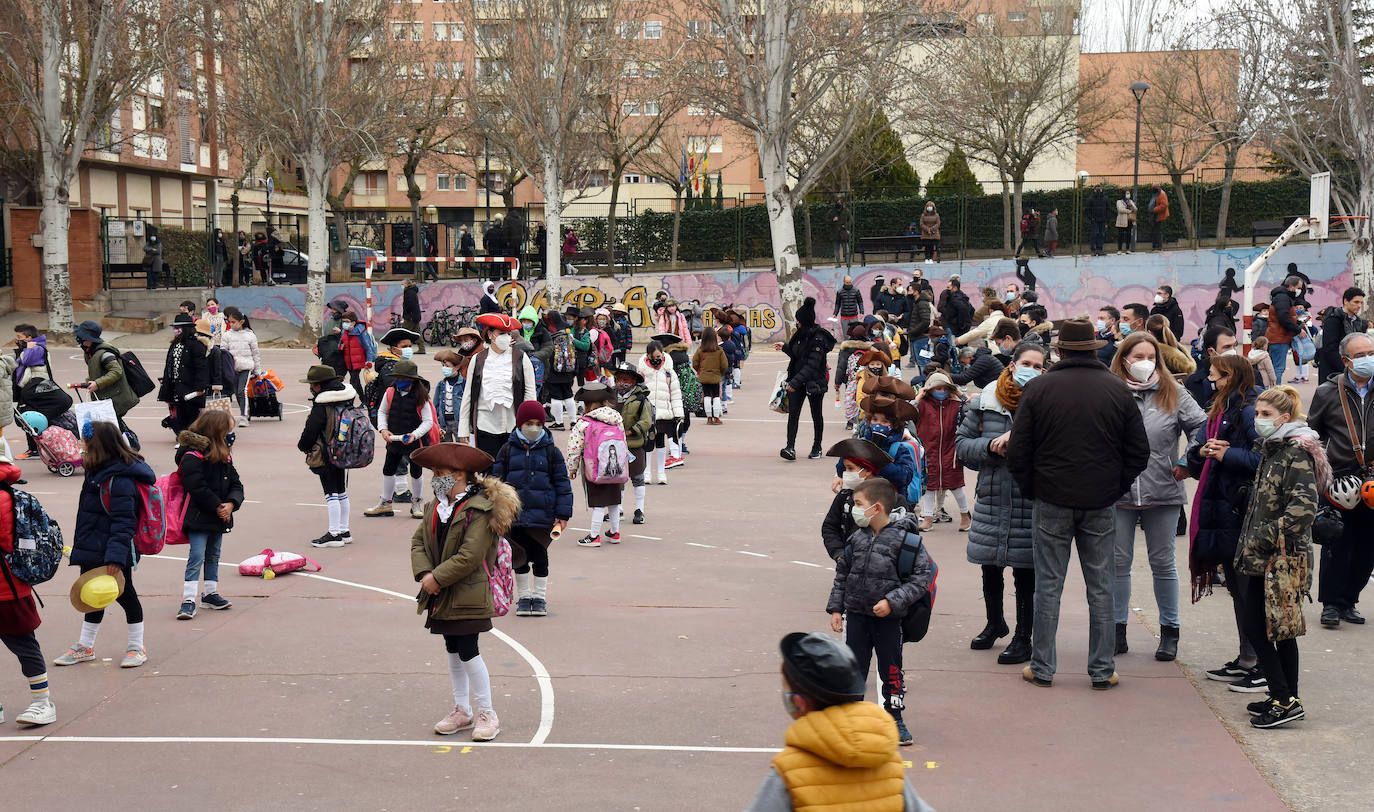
(456, 560)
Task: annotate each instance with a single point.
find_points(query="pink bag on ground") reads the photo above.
(279, 563)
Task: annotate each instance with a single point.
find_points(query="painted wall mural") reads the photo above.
(1067, 287)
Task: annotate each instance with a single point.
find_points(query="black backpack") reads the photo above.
(134, 373)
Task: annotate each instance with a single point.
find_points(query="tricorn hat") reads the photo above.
(498, 321)
(667, 339)
(888, 385)
(1078, 334)
(396, 335)
(861, 451)
(875, 355)
(595, 392)
(623, 368)
(459, 456)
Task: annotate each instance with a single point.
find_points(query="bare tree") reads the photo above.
(768, 64)
(315, 81)
(538, 68)
(1131, 25)
(69, 67)
(1008, 94)
(666, 159)
(1321, 114)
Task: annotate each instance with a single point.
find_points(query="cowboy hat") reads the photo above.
(887, 385)
(467, 332)
(96, 589)
(875, 355)
(320, 373)
(861, 451)
(595, 392)
(203, 327)
(405, 369)
(1078, 334)
(898, 409)
(572, 311)
(457, 456)
(623, 368)
(936, 379)
(619, 307)
(396, 335)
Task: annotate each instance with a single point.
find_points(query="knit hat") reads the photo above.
(806, 314)
(530, 410)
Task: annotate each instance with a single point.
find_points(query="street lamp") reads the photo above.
(1138, 90)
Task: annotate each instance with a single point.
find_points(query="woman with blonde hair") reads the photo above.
(1156, 497)
(1176, 358)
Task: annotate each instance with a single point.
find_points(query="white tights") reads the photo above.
(930, 498)
(599, 513)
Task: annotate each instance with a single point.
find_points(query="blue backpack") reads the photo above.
(37, 542)
(538, 373)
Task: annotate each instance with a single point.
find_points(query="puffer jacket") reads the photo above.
(1328, 419)
(107, 537)
(1002, 531)
(937, 424)
(1283, 501)
(1219, 510)
(637, 416)
(9, 474)
(186, 370)
(930, 225)
(243, 346)
(866, 572)
(540, 478)
(208, 485)
(919, 316)
(711, 367)
(1156, 484)
(662, 385)
(806, 353)
(486, 511)
(105, 369)
(981, 371)
(1282, 327)
(8, 364)
(32, 362)
(848, 302)
(838, 524)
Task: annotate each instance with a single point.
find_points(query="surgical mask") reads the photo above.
(1100, 325)
(467, 346)
(1141, 370)
(1024, 375)
(501, 342)
(879, 432)
(850, 480)
(1364, 367)
(526, 326)
(1232, 351)
(347, 325)
(860, 515)
(449, 372)
(939, 394)
(1159, 299)
(402, 386)
(1125, 328)
(930, 208)
(1264, 426)
(406, 352)
(1008, 296)
(442, 485)
(532, 433)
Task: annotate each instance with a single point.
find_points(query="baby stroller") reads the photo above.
(57, 447)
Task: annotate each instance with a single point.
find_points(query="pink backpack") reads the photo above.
(277, 563)
(604, 348)
(150, 534)
(502, 578)
(174, 502)
(606, 455)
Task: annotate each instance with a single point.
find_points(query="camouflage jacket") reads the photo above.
(1283, 500)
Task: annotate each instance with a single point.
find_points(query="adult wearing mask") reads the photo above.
(893, 300)
(1337, 323)
(500, 378)
(806, 354)
(488, 303)
(1283, 324)
(1222, 313)
(1156, 496)
(1215, 342)
(1167, 306)
(1002, 533)
(411, 312)
(1223, 460)
(152, 258)
(185, 375)
(1105, 330)
(1098, 210)
(1125, 223)
(1077, 444)
(849, 304)
(920, 313)
(930, 231)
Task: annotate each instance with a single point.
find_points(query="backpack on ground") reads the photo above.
(564, 358)
(150, 533)
(606, 455)
(351, 441)
(502, 578)
(37, 541)
(277, 563)
(134, 372)
(174, 503)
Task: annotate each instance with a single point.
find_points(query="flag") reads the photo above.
(696, 179)
(682, 173)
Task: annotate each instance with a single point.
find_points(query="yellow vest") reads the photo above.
(843, 759)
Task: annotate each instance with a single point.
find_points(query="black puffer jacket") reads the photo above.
(186, 370)
(838, 524)
(806, 351)
(333, 396)
(1171, 311)
(919, 315)
(981, 371)
(208, 485)
(956, 312)
(867, 572)
(848, 302)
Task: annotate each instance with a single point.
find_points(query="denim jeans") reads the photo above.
(1279, 353)
(204, 550)
(1160, 523)
(1098, 236)
(1056, 529)
(918, 346)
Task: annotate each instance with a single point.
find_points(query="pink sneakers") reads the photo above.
(454, 722)
(488, 726)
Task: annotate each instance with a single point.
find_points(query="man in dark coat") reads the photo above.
(806, 379)
(956, 311)
(918, 319)
(1337, 323)
(1077, 444)
(1282, 324)
(467, 246)
(1099, 211)
(849, 304)
(411, 313)
(1167, 306)
(876, 290)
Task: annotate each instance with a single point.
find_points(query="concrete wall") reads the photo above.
(1066, 288)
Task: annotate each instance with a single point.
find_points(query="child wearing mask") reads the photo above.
(637, 417)
(214, 315)
(604, 500)
(661, 381)
(860, 460)
(531, 463)
(873, 364)
(213, 491)
(938, 412)
(448, 393)
(358, 348)
(329, 394)
(889, 409)
(405, 417)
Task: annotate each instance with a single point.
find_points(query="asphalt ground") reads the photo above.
(653, 683)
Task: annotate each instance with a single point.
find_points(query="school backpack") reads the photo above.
(150, 532)
(564, 358)
(174, 503)
(538, 373)
(37, 541)
(134, 372)
(277, 563)
(352, 441)
(606, 454)
(690, 386)
(917, 486)
(603, 347)
(502, 578)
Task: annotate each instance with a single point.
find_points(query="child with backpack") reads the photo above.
(455, 554)
(405, 420)
(214, 491)
(531, 463)
(599, 435)
(561, 372)
(637, 416)
(19, 614)
(872, 589)
(104, 535)
(331, 398)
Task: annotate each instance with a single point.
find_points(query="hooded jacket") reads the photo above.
(207, 484)
(105, 369)
(1282, 326)
(918, 316)
(806, 353)
(664, 392)
(106, 537)
(1293, 470)
(539, 476)
(866, 571)
(1156, 485)
(486, 511)
(9, 474)
(1173, 312)
(1328, 419)
(32, 362)
(410, 304)
(1098, 207)
(637, 416)
(335, 395)
(956, 311)
(1002, 532)
(848, 347)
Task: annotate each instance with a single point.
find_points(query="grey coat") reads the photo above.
(1002, 530)
(1156, 484)
(1051, 227)
(867, 571)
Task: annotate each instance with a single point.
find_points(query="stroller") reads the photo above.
(57, 447)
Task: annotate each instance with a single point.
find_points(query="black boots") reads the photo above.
(789, 453)
(1121, 647)
(989, 635)
(992, 600)
(815, 452)
(1168, 643)
(1019, 650)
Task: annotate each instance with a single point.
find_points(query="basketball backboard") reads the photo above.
(1320, 206)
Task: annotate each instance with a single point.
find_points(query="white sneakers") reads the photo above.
(39, 713)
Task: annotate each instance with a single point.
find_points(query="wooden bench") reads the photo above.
(1266, 228)
(896, 245)
(950, 242)
(131, 321)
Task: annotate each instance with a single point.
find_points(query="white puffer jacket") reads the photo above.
(664, 392)
(243, 346)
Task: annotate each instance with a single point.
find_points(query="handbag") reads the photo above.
(1285, 583)
(221, 403)
(778, 403)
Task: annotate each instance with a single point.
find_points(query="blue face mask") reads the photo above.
(1023, 375)
(1364, 367)
(406, 352)
(879, 432)
(402, 386)
(939, 394)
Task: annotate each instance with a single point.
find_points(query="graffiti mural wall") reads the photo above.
(1067, 288)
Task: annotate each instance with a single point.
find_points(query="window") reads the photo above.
(490, 70)
(441, 183)
(629, 179)
(448, 70)
(495, 181)
(653, 29)
(629, 108)
(139, 113)
(219, 64)
(140, 145)
(460, 183)
(630, 70)
(717, 143)
(718, 67)
(1016, 16)
(696, 110)
(441, 32)
(650, 108)
(155, 120)
(399, 31)
(697, 29)
(697, 144)
(415, 32)
(652, 70)
(370, 183)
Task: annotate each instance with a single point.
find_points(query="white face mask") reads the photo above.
(501, 342)
(1159, 299)
(1141, 370)
(1231, 351)
(406, 352)
(850, 480)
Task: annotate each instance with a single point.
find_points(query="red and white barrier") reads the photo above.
(369, 262)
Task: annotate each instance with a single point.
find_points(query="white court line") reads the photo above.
(707, 546)
(746, 552)
(541, 674)
(808, 564)
(309, 504)
(431, 743)
(631, 535)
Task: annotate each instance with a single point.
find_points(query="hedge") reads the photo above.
(186, 252)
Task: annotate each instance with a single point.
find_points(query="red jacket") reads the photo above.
(9, 473)
(937, 421)
(355, 355)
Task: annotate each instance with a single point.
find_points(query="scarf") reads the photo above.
(1008, 393)
(1139, 386)
(1202, 573)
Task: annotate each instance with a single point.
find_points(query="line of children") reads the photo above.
(712, 368)
(214, 491)
(329, 394)
(656, 371)
(603, 500)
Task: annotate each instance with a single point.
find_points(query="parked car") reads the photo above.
(357, 257)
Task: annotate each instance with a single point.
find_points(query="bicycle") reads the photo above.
(445, 322)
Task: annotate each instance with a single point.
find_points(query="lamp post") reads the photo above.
(1138, 90)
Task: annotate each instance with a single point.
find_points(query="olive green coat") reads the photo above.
(106, 371)
(1283, 498)
(457, 562)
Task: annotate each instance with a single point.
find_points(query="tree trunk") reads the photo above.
(1227, 181)
(783, 231)
(610, 223)
(1361, 253)
(234, 255)
(553, 241)
(55, 177)
(1184, 209)
(677, 224)
(317, 183)
(57, 289)
(417, 237)
(1006, 215)
(1018, 186)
